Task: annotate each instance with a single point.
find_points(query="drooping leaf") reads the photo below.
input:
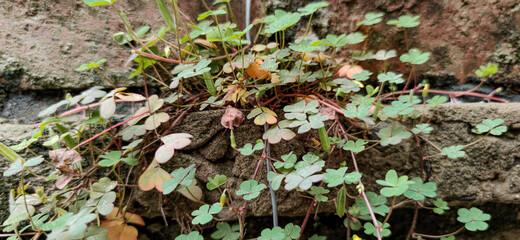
(371, 18)
(153, 177)
(213, 183)
(263, 115)
(182, 176)
(406, 21)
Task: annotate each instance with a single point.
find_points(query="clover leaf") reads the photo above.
(275, 179)
(377, 203)
(394, 186)
(437, 100)
(453, 151)
(191, 236)
(206, 14)
(303, 178)
(422, 128)
(272, 234)
(312, 7)
(371, 229)
(315, 122)
(419, 190)
(473, 218)
(262, 115)
(336, 177)
(415, 56)
(335, 41)
(360, 112)
(357, 146)
(182, 176)
(362, 76)
(355, 38)
(491, 126)
(113, 158)
(440, 206)
(226, 232)
(346, 85)
(405, 21)
(288, 161)
(309, 159)
(371, 18)
(318, 193)
(213, 183)
(384, 55)
(203, 215)
(292, 231)
(278, 132)
(280, 21)
(92, 3)
(306, 46)
(91, 65)
(393, 135)
(317, 237)
(390, 77)
(248, 149)
(300, 110)
(250, 189)
(486, 70)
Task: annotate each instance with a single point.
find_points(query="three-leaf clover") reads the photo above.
(315, 122)
(250, 189)
(491, 126)
(357, 146)
(191, 236)
(291, 231)
(440, 206)
(303, 178)
(278, 132)
(262, 115)
(405, 21)
(473, 218)
(288, 161)
(393, 135)
(226, 232)
(280, 21)
(371, 229)
(213, 183)
(394, 186)
(390, 77)
(415, 56)
(377, 203)
(422, 128)
(182, 176)
(300, 110)
(277, 233)
(486, 70)
(318, 193)
(203, 215)
(248, 149)
(453, 151)
(371, 18)
(312, 7)
(437, 100)
(419, 190)
(384, 55)
(335, 177)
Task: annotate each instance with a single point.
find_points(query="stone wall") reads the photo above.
(43, 41)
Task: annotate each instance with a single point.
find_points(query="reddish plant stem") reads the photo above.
(306, 219)
(177, 61)
(453, 94)
(79, 109)
(414, 221)
(372, 215)
(108, 129)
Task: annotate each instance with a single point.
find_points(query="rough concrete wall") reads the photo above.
(461, 35)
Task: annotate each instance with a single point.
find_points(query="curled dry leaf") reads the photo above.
(349, 71)
(130, 97)
(63, 159)
(232, 118)
(254, 70)
(205, 43)
(327, 111)
(153, 177)
(171, 142)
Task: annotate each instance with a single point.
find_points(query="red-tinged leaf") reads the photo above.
(138, 112)
(254, 70)
(205, 43)
(327, 111)
(64, 179)
(130, 97)
(164, 153)
(129, 217)
(278, 132)
(108, 108)
(119, 230)
(177, 140)
(153, 177)
(154, 121)
(262, 115)
(194, 193)
(232, 118)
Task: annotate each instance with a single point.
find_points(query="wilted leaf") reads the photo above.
(153, 177)
(232, 118)
(154, 121)
(262, 115)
